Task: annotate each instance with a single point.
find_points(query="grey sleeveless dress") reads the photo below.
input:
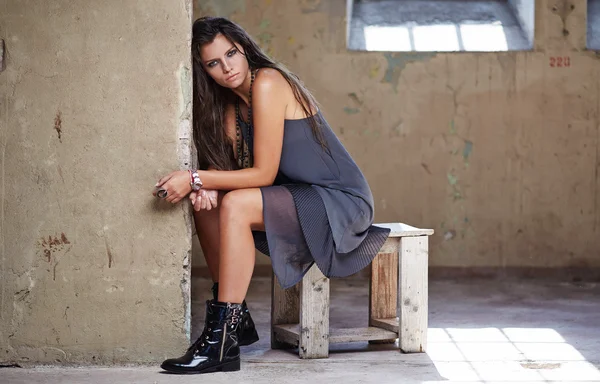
(319, 210)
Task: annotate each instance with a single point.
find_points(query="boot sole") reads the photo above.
(229, 366)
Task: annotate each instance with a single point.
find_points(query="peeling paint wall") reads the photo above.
(94, 108)
(498, 152)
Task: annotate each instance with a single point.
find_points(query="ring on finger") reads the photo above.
(162, 193)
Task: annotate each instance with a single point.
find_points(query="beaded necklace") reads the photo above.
(245, 157)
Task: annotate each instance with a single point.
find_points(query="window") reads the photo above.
(441, 25)
(593, 24)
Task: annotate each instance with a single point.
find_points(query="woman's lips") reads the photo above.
(233, 77)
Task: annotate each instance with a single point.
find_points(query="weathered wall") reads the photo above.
(498, 152)
(94, 108)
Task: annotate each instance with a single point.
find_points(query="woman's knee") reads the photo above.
(232, 202)
(241, 204)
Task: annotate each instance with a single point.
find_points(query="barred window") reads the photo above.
(441, 25)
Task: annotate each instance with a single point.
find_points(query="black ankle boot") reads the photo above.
(246, 330)
(217, 348)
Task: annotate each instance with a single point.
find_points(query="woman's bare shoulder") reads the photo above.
(270, 79)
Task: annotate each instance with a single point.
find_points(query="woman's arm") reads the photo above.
(268, 109)
(269, 100)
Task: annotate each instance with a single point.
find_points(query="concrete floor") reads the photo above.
(480, 331)
(407, 15)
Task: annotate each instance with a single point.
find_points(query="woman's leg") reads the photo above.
(207, 229)
(217, 349)
(241, 212)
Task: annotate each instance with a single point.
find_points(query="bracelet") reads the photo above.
(195, 181)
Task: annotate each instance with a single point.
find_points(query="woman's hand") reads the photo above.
(177, 185)
(204, 199)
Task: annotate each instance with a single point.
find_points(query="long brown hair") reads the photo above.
(210, 99)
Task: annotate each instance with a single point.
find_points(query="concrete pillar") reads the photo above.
(95, 103)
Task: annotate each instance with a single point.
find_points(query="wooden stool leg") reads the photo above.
(412, 286)
(285, 309)
(314, 315)
(383, 291)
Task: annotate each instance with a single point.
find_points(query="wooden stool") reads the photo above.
(398, 295)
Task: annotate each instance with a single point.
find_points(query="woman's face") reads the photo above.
(224, 62)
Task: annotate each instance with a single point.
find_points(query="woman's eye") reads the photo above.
(232, 52)
(212, 64)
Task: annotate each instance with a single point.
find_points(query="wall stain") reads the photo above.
(65, 316)
(351, 111)
(185, 79)
(374, 72)
(467, 151)
(52, 245)
(60, 173)
(264, 39)
(108, 253)
(450, 234)
(453, 181)
(58, 125)
(295, 53)
(452, 128)
(311, 6)
(22, 294)
(54, 271)
(355, 98)
(397, 62)
(265, 24)
(397, 129)
(222, 8)
(563, 10)
(426, 168)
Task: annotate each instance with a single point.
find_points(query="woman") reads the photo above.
(274, 176)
